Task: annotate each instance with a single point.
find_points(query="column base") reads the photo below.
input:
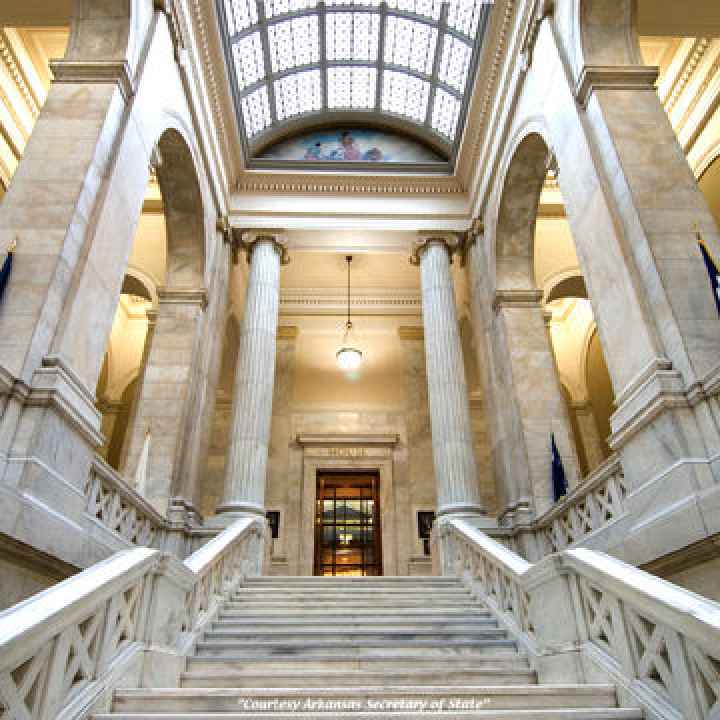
(228, 513)
(474, 514)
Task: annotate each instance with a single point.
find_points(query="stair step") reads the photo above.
(309, 663)
(338, 635)
(488, 675)
(397, 595)
(347, 610)
(350, 649)
(364, 699)
(352, 602)
(319, 627)
(285, 580)
(545, 714)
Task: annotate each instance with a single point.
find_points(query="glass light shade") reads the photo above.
(349, 358)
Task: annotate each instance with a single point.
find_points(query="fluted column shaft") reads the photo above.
(452, 438)
(246, 466)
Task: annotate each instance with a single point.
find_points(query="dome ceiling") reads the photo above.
(404, 64)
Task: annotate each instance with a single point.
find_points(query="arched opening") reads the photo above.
(546, 319)
(573, 330)
(144, 386)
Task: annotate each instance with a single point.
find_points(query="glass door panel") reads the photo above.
(347, 538)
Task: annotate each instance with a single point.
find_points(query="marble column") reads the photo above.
(452, 436)
(246, 467)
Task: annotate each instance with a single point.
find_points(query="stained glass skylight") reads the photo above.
(406, 59)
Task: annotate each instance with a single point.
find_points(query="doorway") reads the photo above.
(347, 524)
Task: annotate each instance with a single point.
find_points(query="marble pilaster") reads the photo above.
(454, 459)
(595, 451)
(246, 466)
(535, 384)
(163, 397)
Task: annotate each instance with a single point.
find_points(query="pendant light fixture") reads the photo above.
(348, 357)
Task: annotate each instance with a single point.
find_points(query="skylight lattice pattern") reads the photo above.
(409, 59)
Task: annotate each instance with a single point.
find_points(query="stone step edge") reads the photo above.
(544, 690)
(590, 713)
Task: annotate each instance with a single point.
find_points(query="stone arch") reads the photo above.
(184, 214)
(522, 183)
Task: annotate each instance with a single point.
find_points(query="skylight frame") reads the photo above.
(421, 128)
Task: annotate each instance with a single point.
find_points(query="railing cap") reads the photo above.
(32, 622)
(201, 560)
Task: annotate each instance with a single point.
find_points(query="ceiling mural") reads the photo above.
(351, 145)
(409, 61)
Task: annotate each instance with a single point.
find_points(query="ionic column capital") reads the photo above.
(250, 238)
(449, 239)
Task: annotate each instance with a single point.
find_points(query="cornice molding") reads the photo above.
(412, 332)
(99, 71)
(493, 72)
(530, 298)
(614, 77)
(183, 296)
(321, 301)
(278, 182)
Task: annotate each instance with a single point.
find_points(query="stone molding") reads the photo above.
(56, 385)
(324, 439)
(530, 298)
(258, 182)
(319, 301)
(451, 240)
(541, 10)
(288, 332)
(657, 388)
(613, 77)
(411, 333)
(98, 71)
(182, 296)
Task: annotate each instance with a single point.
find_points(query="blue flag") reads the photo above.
(5, 272)
(559, 480)
(713, 270)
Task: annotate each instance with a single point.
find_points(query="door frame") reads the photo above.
(361, 453)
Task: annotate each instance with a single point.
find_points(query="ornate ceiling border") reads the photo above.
(321, 301)
(259, 182)
(298, 183)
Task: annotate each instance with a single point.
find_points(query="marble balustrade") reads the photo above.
(138, 612)
(584, 613)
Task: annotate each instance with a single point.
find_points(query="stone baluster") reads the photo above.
(452, 437)
(245, 470)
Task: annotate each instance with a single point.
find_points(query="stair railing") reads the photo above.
(138, 612)
(583, 616)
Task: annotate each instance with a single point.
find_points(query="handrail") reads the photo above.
(63, 649)
(118, 506)
(593, 505)
(658, 641)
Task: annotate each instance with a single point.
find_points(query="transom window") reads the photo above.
(411, 60)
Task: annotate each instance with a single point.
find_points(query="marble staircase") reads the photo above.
(357, 648)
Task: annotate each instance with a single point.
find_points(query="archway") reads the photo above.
(538, 284)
